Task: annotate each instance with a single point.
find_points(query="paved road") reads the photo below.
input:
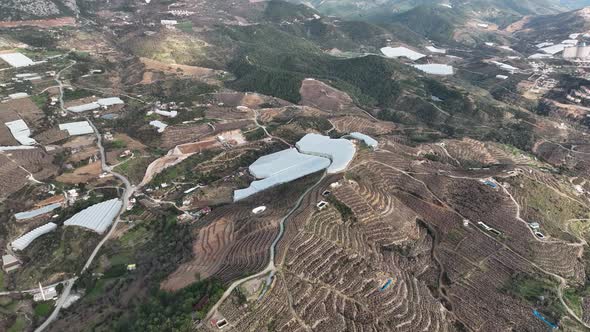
(270, 268)
(129, 189)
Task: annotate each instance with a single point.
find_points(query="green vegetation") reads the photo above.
(40, 100)
(173, 311)
(432, 21)
(186, 26)
(345, 211)
(70, 95)
(19, 325)
(184, 171)
(255, 134)
(43, 309)
(539, 292)
(134, 169)
(279, 11)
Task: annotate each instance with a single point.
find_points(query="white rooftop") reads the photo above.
(83, 107)
(340, 151)
(21, 132)
(159, 124)
(18, 95)
(170, 114)
(34, 213)
(24, 241)
(281, 167)
(396, 52)
(436, 50)
(98, 217)
(17, 59)
(505, 66)
(110, 101)
(370, 141)
(553, 49)
(77, 128)
(436, 69)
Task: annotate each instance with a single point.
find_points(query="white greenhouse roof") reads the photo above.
(554, 49)
(77, 128)
(21, 132)
(110, 101)
(396, 52)
(34, 213)
(17, 59)
(18, 95)
(281, 167)
(83, 107)
(24, 241)
(370, 141)
(339, 151)
(170, 114)
(17, 147)
(505, 66)
(97, 217)
(435, 69)
(159, 124)
(436, 50)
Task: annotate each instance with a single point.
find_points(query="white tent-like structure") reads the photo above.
(280, 167)
(98, 217)
(340, 151)
(22, 242)
(77, 128)
(21, 132)
(36, 212)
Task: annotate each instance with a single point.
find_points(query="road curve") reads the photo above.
(128, 191)
(270, 268)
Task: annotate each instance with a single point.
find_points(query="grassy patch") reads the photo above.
(173, 311)
(255, 134)
(186, 26)
(18, 326)
(40, 100)
(70, 95)
(539, 292)
(345, 212)
(43, 309)
(134, 168)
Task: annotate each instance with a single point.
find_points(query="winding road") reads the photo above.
(270, 268)
(128, 191)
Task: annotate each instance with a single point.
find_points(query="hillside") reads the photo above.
(31, 9)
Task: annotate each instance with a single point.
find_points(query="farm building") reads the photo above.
(281, 167)
(368, 140)
(97, 217)
(339, 151)
(77, 128)
(17, 59)
(22, 242)
(36, 212)
(21, 132)
(10, 263)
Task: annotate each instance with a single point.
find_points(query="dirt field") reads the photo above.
(48, 23)
(318, 94)
(25, 108)
(201, 73)
(210, 244)
(82, 174)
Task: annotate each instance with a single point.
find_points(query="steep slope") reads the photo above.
(555, 26)
(30, 9)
